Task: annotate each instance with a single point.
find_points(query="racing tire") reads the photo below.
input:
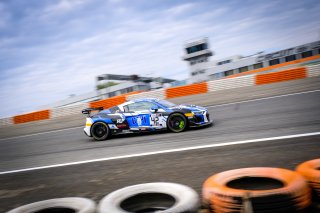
(278, 191)
(66, 205)
(311, 171)
(177, 122)
(151, 197)
(100, 131)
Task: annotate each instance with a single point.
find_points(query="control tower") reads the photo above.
(197, 54)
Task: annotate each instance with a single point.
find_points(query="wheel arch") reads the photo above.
(182, 113)
(101, 121)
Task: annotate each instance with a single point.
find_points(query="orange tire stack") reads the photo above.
(225, 192)
(311, 171)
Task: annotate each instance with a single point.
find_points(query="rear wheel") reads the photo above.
(177, 122)
(100, 131)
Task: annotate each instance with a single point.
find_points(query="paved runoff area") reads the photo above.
(282, 130)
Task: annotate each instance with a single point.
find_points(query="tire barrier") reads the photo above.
(58, 205)
(313, 70)
(287, 75)
(6, 121)
(311, 171)
(33, 116)
(268, 190)
(151, 197)
(192, 89)
(159, 93)
(111, 102)
(68, 110)
(230, 83)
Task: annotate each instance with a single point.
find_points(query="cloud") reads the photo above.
(62, 6)
(57, 48)
(5, 16)
(179, 9)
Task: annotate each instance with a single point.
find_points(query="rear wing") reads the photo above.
(88, 111)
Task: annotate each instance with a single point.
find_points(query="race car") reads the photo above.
(143, 115)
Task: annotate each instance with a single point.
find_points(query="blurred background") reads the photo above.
(55, 53)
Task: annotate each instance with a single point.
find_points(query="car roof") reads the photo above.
(153, 100)
(146, 99)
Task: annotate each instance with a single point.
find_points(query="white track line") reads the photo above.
(163, 152)
(41, 133)
(258, 99)
(209, 106)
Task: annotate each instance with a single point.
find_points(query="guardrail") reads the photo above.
(230, 83)
(286, 75)
(33, 116)
(180, 91)
(68, 110)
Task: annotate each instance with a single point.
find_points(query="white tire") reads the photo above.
(69, 204)
(152, 197)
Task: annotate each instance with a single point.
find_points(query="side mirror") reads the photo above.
(154, 109)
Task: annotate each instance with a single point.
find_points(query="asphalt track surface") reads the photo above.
(256, 119)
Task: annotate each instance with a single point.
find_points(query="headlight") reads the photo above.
(88, 122)
(189, 114)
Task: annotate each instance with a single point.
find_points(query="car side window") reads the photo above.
(139, 106)
(126, 108)
(114, 109)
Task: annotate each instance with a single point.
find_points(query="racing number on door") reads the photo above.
(140, 120)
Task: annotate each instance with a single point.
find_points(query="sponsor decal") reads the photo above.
(112, 126)
(122, 126)
(139, 120)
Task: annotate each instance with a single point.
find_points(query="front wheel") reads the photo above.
(177, 122)
(100, 131)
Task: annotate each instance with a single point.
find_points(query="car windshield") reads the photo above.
(166, 104)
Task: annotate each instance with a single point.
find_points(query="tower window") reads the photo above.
(306, 54)
(243, 69)
(257, 66)
(274, 62)
(290, 58)
(229, 72)
(196, 48)
(223, 62)
(216, 75)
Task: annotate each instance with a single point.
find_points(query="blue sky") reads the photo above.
(50, 49)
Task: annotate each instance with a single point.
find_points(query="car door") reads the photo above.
(138, 114)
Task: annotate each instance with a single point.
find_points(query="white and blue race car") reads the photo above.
(143, 115)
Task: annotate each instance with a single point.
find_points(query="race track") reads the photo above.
(135, 161)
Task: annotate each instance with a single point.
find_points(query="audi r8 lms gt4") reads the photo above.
(143, 115)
